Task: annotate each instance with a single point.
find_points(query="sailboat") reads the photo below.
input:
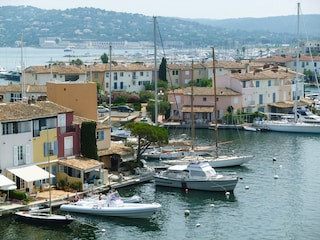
(214, 161)
(295, 125)
(44, 216)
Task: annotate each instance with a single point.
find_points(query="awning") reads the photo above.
(30, 173)
(198, 109)
(6, 183)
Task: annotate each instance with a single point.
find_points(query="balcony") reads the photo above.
(67, 129)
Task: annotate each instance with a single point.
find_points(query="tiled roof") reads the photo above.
(28, 88)
(121, 67)
(22, 110)
(81, 163)
(57, 69)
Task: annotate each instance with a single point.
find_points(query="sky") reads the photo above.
(214, 9)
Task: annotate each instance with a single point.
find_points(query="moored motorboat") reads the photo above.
(113, 206)
(195, 175)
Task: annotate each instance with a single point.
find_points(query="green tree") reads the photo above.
(77, 62)
(163, 70)
(104, 58)
(88, 140)
(163, 108)
(147, 134)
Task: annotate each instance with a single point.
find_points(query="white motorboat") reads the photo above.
(195, 175)
(113, 206)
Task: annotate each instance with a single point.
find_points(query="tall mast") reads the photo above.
(155, 71)
(192, 113)
(22, 71)
(297, 64)
(215, 100)
(110, 48)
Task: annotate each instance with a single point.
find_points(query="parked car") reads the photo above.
(125, 109)
(102, 109)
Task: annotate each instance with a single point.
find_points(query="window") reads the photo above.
(121, 85)
(115, 85)
(260, 99)
(273, 97)
(50, 148)
(257, 84)
(107, 75)
(100, 135)
(121, 74)
(115, 76)
(269, 83)
(204, 99)
(141, 74)
(20, 153)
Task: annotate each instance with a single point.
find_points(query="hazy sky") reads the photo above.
(215, 9)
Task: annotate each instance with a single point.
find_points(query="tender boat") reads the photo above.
(113, 206)
(195, 175)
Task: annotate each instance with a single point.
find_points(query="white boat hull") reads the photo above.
(220, 162)
(127, 210)
(217, 185)
(299, 127)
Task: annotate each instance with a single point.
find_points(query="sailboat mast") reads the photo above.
(297, 64)
(110, 78)
(155, 71)
(49, 164)
(215, 100)
(192, 112)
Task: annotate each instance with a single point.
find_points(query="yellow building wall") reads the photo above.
(81, 97)
(49, 135)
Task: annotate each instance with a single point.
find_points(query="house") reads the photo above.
(127, 77)
(34, 134)
(15, 92)
(203, 104)
(40, 75)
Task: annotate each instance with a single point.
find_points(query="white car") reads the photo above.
(102, 109)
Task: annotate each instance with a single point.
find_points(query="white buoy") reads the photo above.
(186, 212)
(227, 195)
(211, 205)
(103, 230)
(198, 225)
(276, 176)
(246, 187)
(280, 166)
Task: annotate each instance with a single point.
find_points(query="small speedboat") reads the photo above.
(113, 206)
(43, 218)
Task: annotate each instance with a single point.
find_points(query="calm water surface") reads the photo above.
(286, 207)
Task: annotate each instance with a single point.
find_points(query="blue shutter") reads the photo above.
(55, 148)
(45, 149)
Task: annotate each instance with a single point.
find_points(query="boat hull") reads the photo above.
(127, 210)
(217, 185)
(43, 218)
(290, 127)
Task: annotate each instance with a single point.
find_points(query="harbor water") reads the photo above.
(277, 197)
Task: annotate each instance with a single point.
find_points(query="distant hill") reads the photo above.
(285, 24)
(109, 26)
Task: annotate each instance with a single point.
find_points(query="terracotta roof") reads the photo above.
(81, 163)
(23, 110)
(116, 149)
(18, 88)
(57, 69)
